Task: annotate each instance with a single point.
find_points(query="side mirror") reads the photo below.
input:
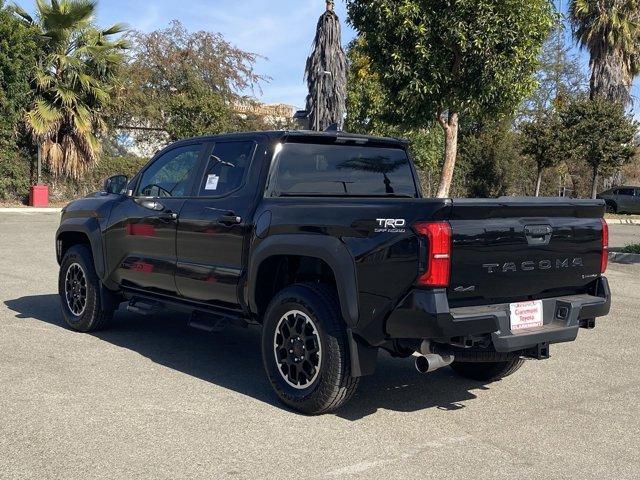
(115, 184)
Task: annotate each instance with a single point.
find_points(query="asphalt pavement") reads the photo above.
(148, 398)
(623, 235)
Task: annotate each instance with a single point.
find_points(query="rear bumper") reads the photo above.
(426, 314)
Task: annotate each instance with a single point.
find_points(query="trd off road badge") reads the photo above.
(390, 225)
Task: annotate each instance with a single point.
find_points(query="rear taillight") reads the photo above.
(605, 246)
(438, 262)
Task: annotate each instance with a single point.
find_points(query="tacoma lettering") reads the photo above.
(529, 265)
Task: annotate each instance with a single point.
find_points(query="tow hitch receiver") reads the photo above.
(539, 352)
(588, 323)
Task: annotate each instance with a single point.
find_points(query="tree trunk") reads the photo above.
(538, 182)
(610, 78)
(594, 184)
(450, 127)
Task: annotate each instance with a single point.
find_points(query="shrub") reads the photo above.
(635, 248)
(14, 175)
(64, 189)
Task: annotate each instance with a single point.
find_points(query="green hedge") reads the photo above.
(109, 166)
(62, 189)
(635, 248)
(15, 177)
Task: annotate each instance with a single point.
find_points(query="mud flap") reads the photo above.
(363, 357)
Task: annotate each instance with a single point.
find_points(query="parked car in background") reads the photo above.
(622, 199)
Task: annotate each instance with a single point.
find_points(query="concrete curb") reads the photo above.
(30, 210)
(623, 221)
(626, 258)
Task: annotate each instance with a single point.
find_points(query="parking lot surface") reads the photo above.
(149, 398)
(622, 235)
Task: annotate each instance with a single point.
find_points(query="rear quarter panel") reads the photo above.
(386, 259)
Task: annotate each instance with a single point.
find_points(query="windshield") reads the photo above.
(341, 170)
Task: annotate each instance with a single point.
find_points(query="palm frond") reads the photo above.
(115, 29)
(86, 81)
(72, 165)
(67, 97)
(22, 13)
(43, 118)
(82, 119)
(43, 80)
(67, 14)
(326, 74)
(52, 152)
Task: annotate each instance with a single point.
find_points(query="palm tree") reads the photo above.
(610, 31)
(74, 82)
(326, 74)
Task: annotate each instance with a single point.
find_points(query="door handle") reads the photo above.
(230, 219)
(168, 215)
(150, 204)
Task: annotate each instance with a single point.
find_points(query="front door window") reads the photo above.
(172, 174)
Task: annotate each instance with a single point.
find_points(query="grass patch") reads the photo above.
(635, 248)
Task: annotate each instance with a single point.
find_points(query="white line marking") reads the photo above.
(30, 210)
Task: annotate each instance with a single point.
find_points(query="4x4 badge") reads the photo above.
(461, 288)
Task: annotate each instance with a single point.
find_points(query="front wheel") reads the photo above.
(487, 371)
(305, 349)
(79, 290)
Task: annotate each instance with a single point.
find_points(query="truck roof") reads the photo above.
(278, 135)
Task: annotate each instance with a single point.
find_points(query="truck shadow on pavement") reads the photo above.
(232, 359)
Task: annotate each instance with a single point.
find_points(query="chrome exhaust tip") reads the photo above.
(432, 362)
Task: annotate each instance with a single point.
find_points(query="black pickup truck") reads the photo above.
(325, 240)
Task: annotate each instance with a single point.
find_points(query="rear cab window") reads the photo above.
(313, 169)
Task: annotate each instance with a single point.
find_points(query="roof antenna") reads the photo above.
(332, 128)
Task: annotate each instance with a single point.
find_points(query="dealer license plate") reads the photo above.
(526, 315)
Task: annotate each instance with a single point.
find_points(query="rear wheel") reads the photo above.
(487, 371)
(305, 349)
(611, 207)
(79, 290)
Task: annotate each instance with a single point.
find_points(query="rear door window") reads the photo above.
(301, 169)
(226, 168)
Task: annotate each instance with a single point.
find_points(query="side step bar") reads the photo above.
(200, 319)
(208, 322)
(144, 307)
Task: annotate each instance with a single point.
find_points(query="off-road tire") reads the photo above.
(333, 386)
(487, 371)
(93, 316)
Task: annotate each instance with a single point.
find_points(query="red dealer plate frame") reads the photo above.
(525, 315)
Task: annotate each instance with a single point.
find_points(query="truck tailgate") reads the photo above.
(520, 249)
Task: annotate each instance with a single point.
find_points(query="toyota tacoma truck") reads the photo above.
(326, 242)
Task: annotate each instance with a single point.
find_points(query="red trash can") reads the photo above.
(39, 196)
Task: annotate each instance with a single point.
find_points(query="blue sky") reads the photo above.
(280, 30)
